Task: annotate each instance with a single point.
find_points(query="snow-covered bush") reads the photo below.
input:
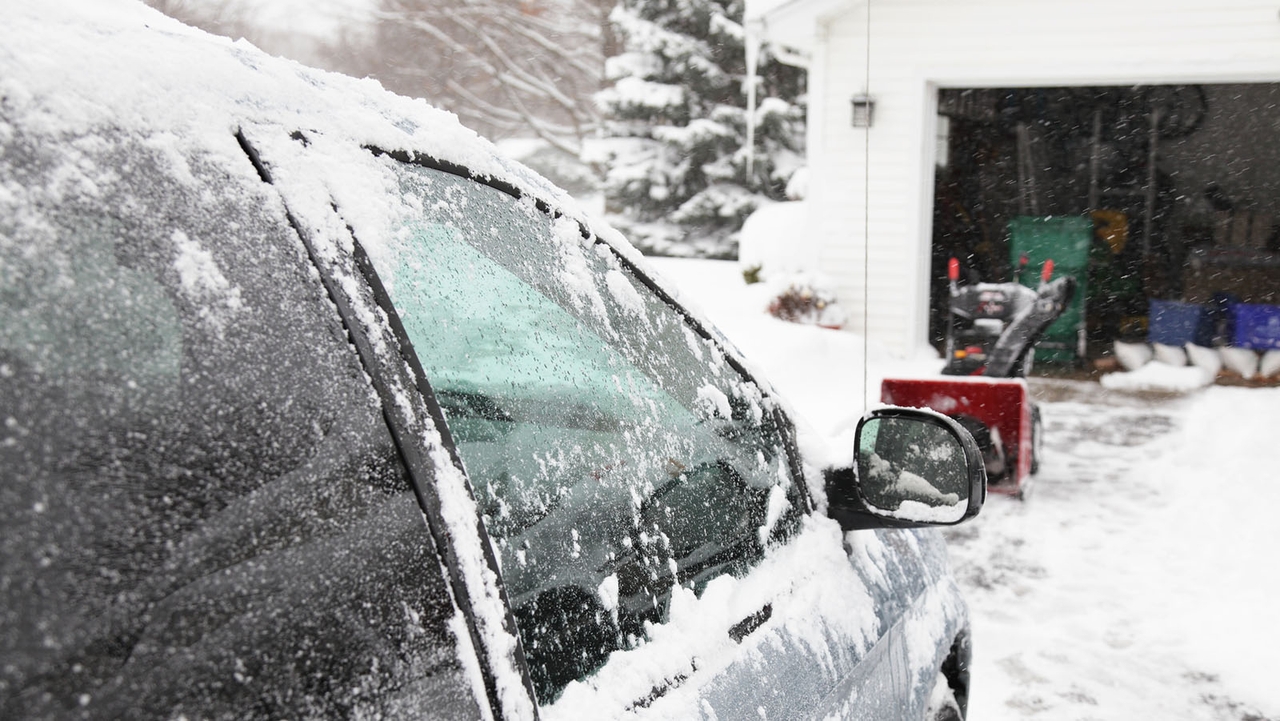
(773, 241)
(806, 300)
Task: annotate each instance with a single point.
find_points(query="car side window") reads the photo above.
(204, 514)
(614, 451)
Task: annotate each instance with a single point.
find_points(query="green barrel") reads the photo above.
(1065, 239)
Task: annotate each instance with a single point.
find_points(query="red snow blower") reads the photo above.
(991, 333)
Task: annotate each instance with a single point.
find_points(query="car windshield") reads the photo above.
(614, 450)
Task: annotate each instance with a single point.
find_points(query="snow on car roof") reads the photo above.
(69, 66)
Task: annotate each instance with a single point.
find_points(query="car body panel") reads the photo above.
(203, 509)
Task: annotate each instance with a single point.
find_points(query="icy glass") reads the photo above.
(203, 513)
(613, 450)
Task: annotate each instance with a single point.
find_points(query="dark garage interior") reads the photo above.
(1153, 196)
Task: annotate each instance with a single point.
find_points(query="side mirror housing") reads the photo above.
(912, 468)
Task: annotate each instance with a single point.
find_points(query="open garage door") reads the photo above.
(1164, 193)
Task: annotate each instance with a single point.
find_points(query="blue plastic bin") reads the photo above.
(1257, 326)
(1173, 323)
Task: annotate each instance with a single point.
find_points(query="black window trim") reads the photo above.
(413, 456)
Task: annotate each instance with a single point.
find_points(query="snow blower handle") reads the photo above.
(1046, 272)
(953, 275)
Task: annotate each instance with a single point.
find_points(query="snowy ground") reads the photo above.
(1140, 578)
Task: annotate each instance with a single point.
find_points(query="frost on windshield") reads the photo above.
(204, 514)
(615, 455)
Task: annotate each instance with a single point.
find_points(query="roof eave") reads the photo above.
(794, 23)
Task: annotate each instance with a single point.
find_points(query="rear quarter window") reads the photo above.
(203, 511)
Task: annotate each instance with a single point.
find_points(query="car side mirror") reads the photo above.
(912, 468)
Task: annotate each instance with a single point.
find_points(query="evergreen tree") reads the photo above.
(675, 123)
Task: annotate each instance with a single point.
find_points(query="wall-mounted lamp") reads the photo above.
(864, 108)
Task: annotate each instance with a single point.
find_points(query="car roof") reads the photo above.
(69, 67)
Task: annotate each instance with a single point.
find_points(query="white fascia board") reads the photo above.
(794, 23)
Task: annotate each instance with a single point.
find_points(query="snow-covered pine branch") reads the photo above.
(679, 177)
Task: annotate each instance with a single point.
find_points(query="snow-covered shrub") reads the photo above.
(774, 242)
(805, 301)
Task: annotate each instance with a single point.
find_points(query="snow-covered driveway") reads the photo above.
(1140, 579)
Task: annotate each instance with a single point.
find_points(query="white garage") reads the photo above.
(872, 188)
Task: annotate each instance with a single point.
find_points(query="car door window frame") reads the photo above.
(786, 428)
(415, 456)
(782, 430)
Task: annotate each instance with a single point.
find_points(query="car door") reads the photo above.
(642, 493)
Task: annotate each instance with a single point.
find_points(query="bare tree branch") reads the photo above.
(507, 67)
(487, 59)
(587, 65)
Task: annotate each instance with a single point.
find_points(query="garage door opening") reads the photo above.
(1165, 193)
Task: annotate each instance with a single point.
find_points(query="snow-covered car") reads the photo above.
(315, 406)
